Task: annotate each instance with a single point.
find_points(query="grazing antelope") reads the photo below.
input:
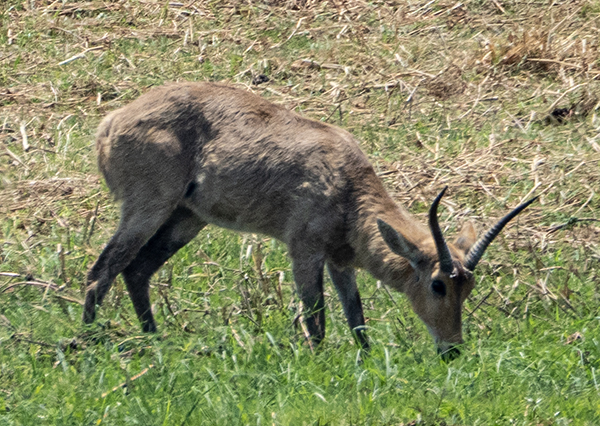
(185, 155)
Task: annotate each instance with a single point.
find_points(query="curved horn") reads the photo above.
(442, 248)
(479, 247)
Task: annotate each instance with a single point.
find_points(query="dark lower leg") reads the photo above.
(113, 259)
(314, 318)
(345, 283)
(135, 228)
(308, 274)
(181, 227)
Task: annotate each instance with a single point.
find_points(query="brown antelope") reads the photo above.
(185, 155)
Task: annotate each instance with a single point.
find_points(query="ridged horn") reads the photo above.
(442, 248)
(474, 255)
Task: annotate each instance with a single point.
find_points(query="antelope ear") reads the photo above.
(466, 238)
(398, 243)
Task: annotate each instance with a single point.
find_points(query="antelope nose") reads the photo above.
(449, 353)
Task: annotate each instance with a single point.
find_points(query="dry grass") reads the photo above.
(498, 100)
(425, 69)
(501, 68)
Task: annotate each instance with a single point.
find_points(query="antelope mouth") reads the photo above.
(450, 353)
(449, 350)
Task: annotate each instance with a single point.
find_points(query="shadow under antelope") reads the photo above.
(185, 155)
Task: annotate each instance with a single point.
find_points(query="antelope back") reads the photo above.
(235, 159)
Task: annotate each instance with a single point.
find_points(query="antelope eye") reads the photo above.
(438, 288)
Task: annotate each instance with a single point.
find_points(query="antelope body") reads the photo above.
(185, 155)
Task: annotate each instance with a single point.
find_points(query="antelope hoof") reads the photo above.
(89, 315)
(149, 327)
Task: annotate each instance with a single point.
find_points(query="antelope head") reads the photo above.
(442, 273)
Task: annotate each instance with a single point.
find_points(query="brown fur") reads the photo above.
(185, 155)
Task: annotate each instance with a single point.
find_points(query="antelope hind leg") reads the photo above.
(135, 228)
(181, 227)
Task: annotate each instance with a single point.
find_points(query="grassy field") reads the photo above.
(497, 99)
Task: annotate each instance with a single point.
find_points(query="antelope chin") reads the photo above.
(448, 351)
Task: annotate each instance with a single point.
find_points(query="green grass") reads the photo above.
(229, 349)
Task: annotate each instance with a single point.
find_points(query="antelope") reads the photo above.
(188, 154)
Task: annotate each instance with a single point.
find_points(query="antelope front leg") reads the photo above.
(308, 274)
(344, 281)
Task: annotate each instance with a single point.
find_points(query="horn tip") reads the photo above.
(438, 198)
(532, 200)
(526, 204)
